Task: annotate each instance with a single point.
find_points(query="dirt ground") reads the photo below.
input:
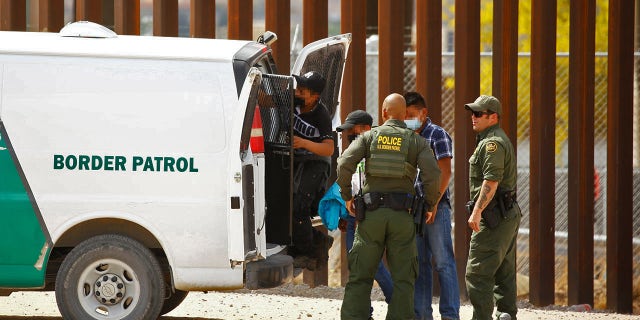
(293, 301)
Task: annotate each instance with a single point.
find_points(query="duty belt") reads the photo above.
(393, 200)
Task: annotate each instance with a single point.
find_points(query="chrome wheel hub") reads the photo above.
(109, 289)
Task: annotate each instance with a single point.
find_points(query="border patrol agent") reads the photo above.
(495, 215)
(392, 153)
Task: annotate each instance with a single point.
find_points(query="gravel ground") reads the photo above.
(293, 301)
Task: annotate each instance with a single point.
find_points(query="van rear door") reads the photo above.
(267, 162)
(252, 182)
(326, 56)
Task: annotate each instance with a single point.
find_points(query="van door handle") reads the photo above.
(235, 202)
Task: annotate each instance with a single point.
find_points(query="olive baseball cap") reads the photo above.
(485, 103)
(311, 80)
(354, 118)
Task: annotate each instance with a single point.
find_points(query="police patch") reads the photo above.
(491, 147)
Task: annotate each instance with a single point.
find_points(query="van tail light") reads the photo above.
(257, 139)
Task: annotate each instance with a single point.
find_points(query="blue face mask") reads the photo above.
(413, 124)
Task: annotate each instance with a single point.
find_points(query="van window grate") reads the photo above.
(276, 103)
(329, 61)
(276, 110)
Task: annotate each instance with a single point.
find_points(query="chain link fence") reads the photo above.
(561, 147)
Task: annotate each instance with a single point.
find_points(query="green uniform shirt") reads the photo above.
(493, 159)
(419, 155)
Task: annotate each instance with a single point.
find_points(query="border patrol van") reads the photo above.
(136, 169)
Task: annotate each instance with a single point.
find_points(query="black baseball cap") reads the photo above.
(311, 80)
(355, 118)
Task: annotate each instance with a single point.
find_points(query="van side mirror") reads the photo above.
(267, 38)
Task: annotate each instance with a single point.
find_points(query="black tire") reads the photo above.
(173, 301)
(110, 277)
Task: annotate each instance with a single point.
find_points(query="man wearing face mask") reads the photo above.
(357, 123)
(313, 146)
(435, 242)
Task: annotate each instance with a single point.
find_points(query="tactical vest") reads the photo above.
(388, 154)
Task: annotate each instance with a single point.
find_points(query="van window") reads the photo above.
(329, 61)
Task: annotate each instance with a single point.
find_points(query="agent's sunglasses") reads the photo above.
(479, 114)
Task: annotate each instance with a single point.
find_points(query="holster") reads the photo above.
(360, 207)
(491, 214)
(509, 197)
(418, 209)
(506, 200)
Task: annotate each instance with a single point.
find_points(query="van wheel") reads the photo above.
(110, 277)
(173, 301)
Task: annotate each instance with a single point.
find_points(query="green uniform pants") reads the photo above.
(395, 231)
(491, 269)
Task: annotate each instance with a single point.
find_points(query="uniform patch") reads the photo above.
(389, 143)
(491, 147)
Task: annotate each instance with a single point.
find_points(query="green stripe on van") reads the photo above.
(24, 245)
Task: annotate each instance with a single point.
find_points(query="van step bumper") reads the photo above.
(274, 271)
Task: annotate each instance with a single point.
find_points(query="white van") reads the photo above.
(135, 169)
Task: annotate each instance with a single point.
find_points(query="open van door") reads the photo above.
(265, 143)
(251, 181)
(326, 56)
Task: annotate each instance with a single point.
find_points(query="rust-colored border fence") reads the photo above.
(124, 17)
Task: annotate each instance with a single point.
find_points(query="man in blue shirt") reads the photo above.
(436, 240)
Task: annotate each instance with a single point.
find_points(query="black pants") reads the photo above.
(309, 185)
